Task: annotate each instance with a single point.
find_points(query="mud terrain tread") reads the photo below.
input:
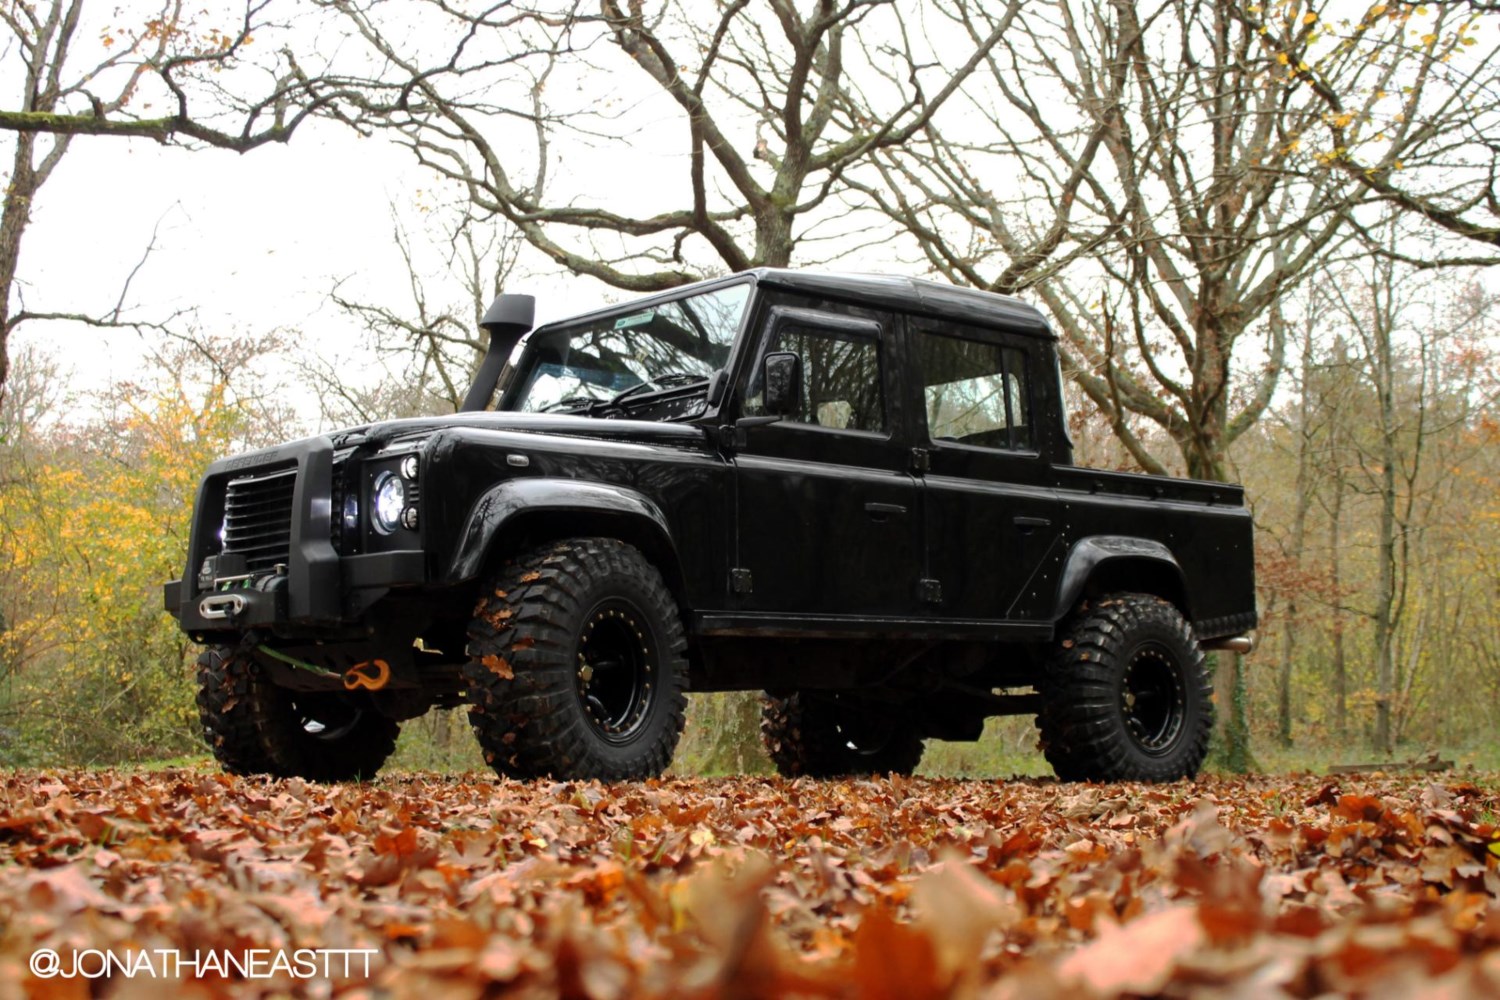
(235, 708)
(532, 724)
(252, 726)
(1083, 732)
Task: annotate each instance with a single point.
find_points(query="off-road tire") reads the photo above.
(542, 700)
(1126, 696)
(810, 735)
(255, 727)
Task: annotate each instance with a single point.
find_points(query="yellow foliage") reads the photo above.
(94, 526)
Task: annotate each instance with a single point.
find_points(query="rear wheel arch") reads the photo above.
(1108, 564)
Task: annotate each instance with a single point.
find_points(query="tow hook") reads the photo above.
(372, 675)
(221, 606)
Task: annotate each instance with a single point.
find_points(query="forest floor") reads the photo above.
(452, 886)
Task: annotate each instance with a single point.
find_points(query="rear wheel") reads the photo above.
(1126, 696)
(254, 727)
(823, 736)
(577, 666)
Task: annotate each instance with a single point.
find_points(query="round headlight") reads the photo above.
(390, 499)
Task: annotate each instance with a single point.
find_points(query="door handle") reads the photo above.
(881, 511)
(1030, 524)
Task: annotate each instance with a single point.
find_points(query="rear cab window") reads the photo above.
(974, 391)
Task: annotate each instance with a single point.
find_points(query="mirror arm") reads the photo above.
(732, 436)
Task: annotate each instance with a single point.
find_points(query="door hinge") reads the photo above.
(931, 591)
(740, 582)
(921, 460)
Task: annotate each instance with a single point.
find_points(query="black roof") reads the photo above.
(885, 291)
(912, 295)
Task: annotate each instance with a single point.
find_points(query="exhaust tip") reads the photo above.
(1240, 644)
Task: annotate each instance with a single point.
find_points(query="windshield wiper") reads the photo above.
(664, 381)
(580, 404)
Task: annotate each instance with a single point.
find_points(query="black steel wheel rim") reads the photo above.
(616, 672)
(863, 734)
(327, 720)
(1153, 699)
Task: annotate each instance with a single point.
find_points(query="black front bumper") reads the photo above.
(315, 589)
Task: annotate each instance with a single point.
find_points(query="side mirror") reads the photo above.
(782, 377)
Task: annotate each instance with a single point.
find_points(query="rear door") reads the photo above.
(829, 523)
(991, 519)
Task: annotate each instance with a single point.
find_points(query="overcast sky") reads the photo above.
(255, 243)
(251, 243)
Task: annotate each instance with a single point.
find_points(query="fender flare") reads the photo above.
(1089, 554)
(500, 506)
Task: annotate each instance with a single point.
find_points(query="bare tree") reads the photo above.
(756, 114)
(1156, 176)
(1416, 127)
(1405, 445)
(431, 342)
(1132, 173)
(96, 77)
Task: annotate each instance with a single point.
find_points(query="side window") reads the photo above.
(840, 379)
(975, 392)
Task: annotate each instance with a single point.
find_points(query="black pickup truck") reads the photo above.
(854, 493)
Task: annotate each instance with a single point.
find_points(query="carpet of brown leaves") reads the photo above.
(1375, 886)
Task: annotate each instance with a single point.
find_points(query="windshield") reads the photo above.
(670, 343)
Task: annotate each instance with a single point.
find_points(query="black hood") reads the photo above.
(563, 424)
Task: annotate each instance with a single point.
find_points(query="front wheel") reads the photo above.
(577, 666)
(825, 736)
(255, 727)
(1126, 696)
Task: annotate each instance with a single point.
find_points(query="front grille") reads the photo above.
(258, 518)
(336, 496)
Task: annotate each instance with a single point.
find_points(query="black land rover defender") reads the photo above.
(852, 492)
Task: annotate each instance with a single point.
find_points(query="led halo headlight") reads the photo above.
(390, 500)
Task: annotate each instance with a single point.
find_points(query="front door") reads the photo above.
(829, 517)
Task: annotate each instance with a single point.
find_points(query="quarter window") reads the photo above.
(975, 392)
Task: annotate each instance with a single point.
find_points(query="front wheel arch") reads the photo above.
(533, 529)
(518, 514)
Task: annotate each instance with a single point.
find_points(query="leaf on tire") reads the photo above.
(531, 577)
(498, 666)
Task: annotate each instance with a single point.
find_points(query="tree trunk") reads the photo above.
(17, 213)
(1385, 664)
(1335, 570)
(1385, 601)
(1298, 542)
